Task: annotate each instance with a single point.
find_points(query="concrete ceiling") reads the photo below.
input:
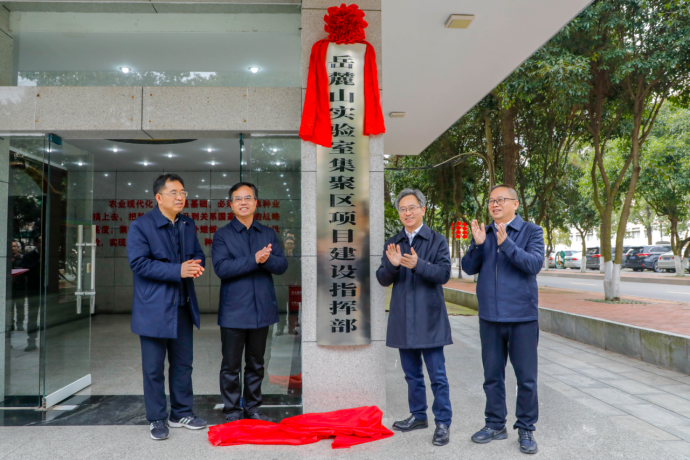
(436, 75)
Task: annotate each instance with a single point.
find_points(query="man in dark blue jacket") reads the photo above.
(165, 257)
(507, 254)
(416, 262)
(246, 255)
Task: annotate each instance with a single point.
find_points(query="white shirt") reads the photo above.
(496, 226)
(410, 236)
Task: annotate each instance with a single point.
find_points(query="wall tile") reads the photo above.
(379, 322)
(664, 350)
(4, 159)
(308, 319)
(104, 187)
(358, 372)
(309, 213)
(274, 109)
(376, 153)
(377, 216)
(308, 156)
(17, 108)
(170, 108)
(66, 109)
(105, 271)
(279, 185)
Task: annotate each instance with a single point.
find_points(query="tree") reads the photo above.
(581, 213)
(665, 180)
(639, 52)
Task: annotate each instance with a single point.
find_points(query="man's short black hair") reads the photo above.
(511, 190)
(161, 180)
(235, 187)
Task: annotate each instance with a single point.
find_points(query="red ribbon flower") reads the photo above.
(345, 24)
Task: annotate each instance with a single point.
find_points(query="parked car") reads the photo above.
(646, 257)
(552, 258)
(667, 262)
(624, 262)
(592, 257)
(574, 260)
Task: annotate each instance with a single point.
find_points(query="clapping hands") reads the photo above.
(263, 255)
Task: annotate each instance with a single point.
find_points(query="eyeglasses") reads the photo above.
(181, 194)
(408, 208)
(499, 201)
(240, 199)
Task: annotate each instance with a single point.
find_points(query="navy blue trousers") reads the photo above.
(411, 362)
(180, 355)
(519, 342)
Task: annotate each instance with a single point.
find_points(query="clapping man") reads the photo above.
(416, 262)
(165, 257)
(507, 254)
(246, 255)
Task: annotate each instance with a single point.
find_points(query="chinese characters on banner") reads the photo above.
(342, 184)
(112, 226)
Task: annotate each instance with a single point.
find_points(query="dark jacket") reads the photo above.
(418, 316)
(247, 295)
(157, 273)
(507, 285)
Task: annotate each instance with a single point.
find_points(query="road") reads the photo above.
(649, 290)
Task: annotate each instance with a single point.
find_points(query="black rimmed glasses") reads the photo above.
(499, 201)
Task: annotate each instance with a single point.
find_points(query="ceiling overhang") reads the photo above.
(436, 74)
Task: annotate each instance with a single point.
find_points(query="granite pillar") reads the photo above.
(341, 377)
(5, 313)
(6, 49)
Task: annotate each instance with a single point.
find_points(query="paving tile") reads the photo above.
(600, 374)
(645, 429)
(633, 387)
(599, 406)
(579, 381)
(648, 378)
(655, 415)
(613, 396)
(682, 447)
(671, 402)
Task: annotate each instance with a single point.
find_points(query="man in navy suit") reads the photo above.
(507, 254)
(165, 257)
(246, 255)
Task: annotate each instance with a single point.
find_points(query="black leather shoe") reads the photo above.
(487, 434)
(233, 417)
(258, 416)
(410, 424)
(528, 445)
(441, 435)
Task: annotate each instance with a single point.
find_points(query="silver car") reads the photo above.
(574, 260)
(667, 262)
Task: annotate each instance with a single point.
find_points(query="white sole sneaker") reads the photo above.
(172, 424)
(159, 439)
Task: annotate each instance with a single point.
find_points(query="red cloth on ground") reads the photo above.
(316, 117)
(349, 427)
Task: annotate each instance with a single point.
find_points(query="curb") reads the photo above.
(624, 279)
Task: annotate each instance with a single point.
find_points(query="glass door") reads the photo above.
(69, 271)
(49, 270)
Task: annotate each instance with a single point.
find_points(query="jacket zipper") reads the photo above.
(498, 251)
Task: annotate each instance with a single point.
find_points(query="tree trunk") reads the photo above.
(648, 227)
(510, 148)
(583, 259)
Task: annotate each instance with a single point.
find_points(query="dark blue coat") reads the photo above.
(418, 316)
(507, 285)
(157, 273)
(247, 294)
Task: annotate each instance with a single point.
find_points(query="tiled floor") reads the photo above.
(594, 404)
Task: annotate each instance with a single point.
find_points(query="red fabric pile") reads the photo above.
(349, 427)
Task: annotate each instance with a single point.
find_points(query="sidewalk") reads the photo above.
(593, 404)
(661, 315)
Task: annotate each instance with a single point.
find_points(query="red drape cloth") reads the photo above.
(316, 117)
(349, 427)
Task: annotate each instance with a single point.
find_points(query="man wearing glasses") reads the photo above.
(165, 257)
(246, 255)
(416, 262)
(507, 254)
